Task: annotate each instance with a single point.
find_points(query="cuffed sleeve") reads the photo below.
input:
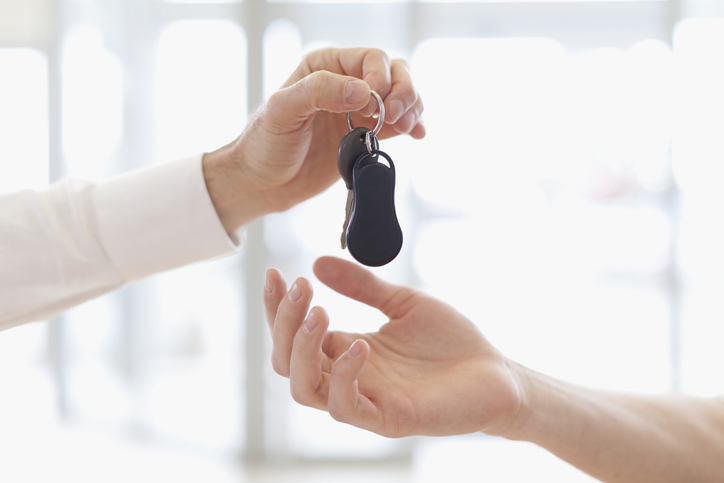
(77, 240)
(159, 218)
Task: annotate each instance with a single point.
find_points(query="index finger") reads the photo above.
(353, 281)
(371, 65)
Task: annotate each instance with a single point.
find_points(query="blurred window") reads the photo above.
(698, 160)
(27, 384)
(566, 198)
(23, 119)
(92, 103)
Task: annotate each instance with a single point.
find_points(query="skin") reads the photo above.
(430, 371)
(288, 151)
(417, 369)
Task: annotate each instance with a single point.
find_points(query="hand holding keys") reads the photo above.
(371, 231)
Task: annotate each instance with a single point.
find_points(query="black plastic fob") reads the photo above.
(374, 236)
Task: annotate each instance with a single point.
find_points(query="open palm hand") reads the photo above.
(429, 370)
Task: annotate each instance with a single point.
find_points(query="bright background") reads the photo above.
(567, 199)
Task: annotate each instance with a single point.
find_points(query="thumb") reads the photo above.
(319, 91)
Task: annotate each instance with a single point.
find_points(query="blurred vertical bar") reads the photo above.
(255, 21)
(57, 327)
(673, 286)
(672, 282)
(130, 27)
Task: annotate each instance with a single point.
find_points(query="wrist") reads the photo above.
(534, 394)
(551, 410)
(237, 199)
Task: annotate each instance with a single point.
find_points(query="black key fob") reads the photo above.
(374, 236)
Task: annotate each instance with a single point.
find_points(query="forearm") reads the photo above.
(77, 240)
(624, 438)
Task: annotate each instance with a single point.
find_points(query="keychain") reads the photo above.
(371, 231)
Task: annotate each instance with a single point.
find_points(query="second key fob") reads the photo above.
(374, 236)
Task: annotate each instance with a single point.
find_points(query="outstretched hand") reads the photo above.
(429, 370)
(288, 151)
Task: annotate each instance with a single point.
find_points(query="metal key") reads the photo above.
(347, 216)
(353, 145)
(371, 231)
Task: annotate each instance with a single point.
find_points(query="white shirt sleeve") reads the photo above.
(77, 240)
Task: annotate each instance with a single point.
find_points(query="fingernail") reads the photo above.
(354, 349)
(396, 110)
(295, 292)
(356, 91)
(407, 122)
(310, 323)
(268, 286)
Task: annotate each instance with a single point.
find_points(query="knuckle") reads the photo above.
(279, 367)
(400, 301)
(300, 396)
(382, 54)
(318, 83)
(311, 58)
(404, 63)
(306, 57)
(391, 433)
(278, 97)
(337, 412)
(409, 97)
(277, 100)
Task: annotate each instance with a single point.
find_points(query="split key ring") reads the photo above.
(378, 127)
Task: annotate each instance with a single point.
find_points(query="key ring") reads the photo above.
(380, 120)
(369, 135)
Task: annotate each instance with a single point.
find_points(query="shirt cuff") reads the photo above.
(159, 218)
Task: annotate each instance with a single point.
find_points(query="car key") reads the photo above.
(371, 230)
(352, 147)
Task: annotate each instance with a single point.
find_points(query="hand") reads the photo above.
(428, 371)
(288, 151)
